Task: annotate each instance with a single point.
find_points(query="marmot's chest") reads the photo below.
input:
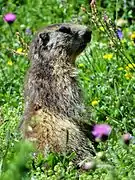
(64, 96)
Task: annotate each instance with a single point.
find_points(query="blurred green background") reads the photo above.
(106, 75)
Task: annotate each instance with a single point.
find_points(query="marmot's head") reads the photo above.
(70, 38)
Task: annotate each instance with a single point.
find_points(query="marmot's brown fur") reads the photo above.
(53, 102)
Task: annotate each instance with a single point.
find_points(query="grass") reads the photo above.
(106, 75)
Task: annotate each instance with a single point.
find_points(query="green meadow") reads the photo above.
(106, 75)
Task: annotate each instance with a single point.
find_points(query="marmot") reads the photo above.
(53, 102)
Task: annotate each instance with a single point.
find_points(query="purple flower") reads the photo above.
(127, 138)
(28, 31)
(101, 131)
(105, 17)
(9, 18)
(119, 33)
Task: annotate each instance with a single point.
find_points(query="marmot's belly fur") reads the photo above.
(56, 133)
(52, 97)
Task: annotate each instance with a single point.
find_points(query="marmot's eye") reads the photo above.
(65, 29)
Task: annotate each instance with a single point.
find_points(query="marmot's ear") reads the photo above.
(44, 38)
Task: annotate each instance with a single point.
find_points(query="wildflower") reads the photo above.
(9, 18)
(19, 50)
(128, 76)
(127, 138)
(101, 131)
(94, 103)
(119, 33)
(105, 17)
(130, 66)
(133, 36)
(28, 31)
(10, 63)
(108, 56)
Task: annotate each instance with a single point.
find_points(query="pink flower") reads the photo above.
(127, 138)
(9, 18)
(105, 17)
(101, 131)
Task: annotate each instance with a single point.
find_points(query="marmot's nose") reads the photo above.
(87, 35)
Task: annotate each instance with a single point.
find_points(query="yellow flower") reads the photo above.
(102, 28)
(108, 56)
(120, 68)
(10, 63)
(128, 76)
(94, 103)
(81, 65)
(19, 50)
(130, 66)
(133, 36)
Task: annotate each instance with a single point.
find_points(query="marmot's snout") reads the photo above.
(87, 36)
